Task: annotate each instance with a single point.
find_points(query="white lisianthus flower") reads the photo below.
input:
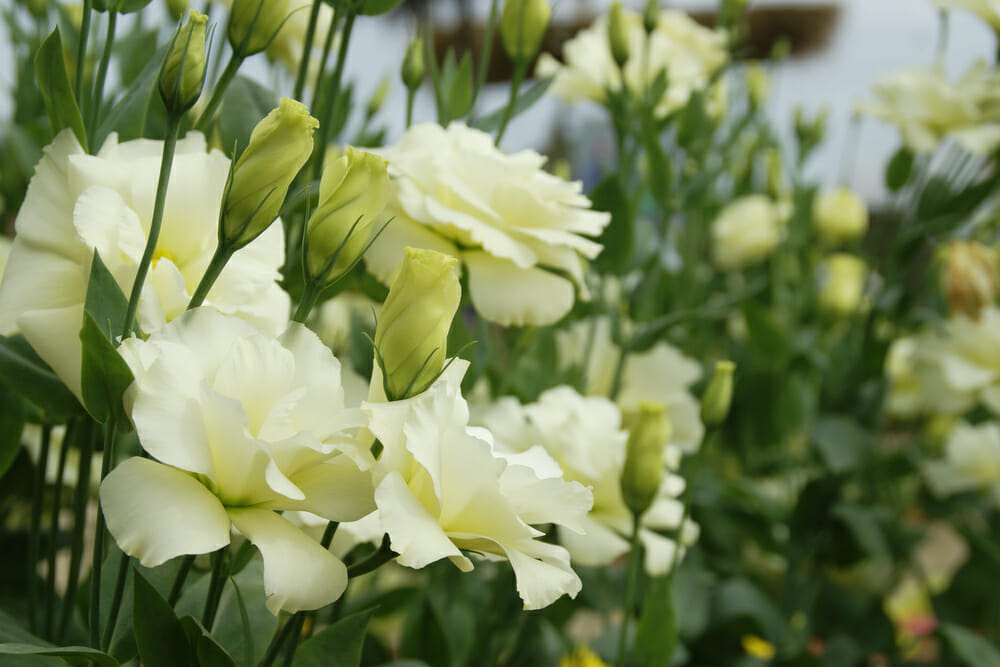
(5, 244)
(689, 53)
(971, 462)
(987, 10)
(240, 426)
(927, 108)
(662, 374)
(78, 203)
(442, 491)
(505, 218)
(584, 437)
(748, 230)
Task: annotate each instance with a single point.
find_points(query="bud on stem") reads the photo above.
(718, 396)
(183, 70)
(643, 471)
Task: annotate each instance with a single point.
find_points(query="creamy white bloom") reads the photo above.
(584, 437)
(987, 10)
(971, 462)
(5, 244)
(927, 108)
(748, 230)
(78, 203)
(690, 54)
(505, 218)
(240, 426)
(441, 491)
(662, 374)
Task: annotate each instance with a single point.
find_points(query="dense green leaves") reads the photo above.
(53, 83)
(656, 634)
(525, 100)
(336, 646)
(159, 636)
(22, 370)
(972, 649)
(74, 655)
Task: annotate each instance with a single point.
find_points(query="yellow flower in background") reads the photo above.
(841, 284)
(839, 215)
(970, 276)
(747, 231)
(758, 647)
(582, 657)
(688, 52)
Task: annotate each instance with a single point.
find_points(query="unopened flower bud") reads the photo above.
(969, 277)
(643, 471)
(279, 146)
(758, 83)
(777, 180)
(352, 194)
(842, 284)
(377, 99)
(411, 336)
(618, 34)
(839, 216)
(413, 64)
(254, 23)
(177, 8)
(651, 16)
(718, 395)
(184, 67)
(522, 25)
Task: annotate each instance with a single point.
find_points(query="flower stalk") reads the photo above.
(102, 71)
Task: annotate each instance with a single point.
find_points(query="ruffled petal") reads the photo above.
(413, 533)
(511, 296)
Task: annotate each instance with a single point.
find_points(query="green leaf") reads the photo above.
(130, 6)
(53, 83)
(863, 524)
(26, 373)
(11, 426)
(619, 236)
(106, 302)
(338, 645)
(841, 442)
(159, 636)
(461, 90)
(74, 655)
(207, 651)
(970, 648)
(105, 375)
(525, 100)
(128, 115)
(656, 633)
(766, 335)
(244, 104)
(898, 171)
(375, 7)
(738, 598)
(11, 632)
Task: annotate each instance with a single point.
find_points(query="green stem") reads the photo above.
(166, 163)
(222, 255)
(232, 67)
(35, 537)
(327, 47)
(486, 54)
(215, 587)
(331, 530)
(630, 583)
(373, 562)
(116, 601)
(81, 51)
(102, 72)
(296, 635)
(520, 67)
(80, 497)
(330, 102)
(309, 298)
(107, 459)
(182, 575)
(279, 641)
(300, 79)
(50, 592)
(410, 95)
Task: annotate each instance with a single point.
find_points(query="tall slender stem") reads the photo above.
(487, 52)
(35, 537)
(300, 80)
(411, 93)
(102, 72)
(166, 162)
(309, 297)
(182, 575)
(520, 67)
(80, 497)
(235, 60)
(107, 459)
(50, 592)
(327, 47)
(222, 255)
(116, 601)
(630, 583)
(81, 51)
(330, 102)
(215, 587)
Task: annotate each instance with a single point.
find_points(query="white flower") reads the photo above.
(442, 491)
(342, 316)
(501, 215)
(584, 436)
(689, 53)
(927, 108)
(747, 231)
(972, 461)
(241, 426)
(661, 374)
(77, 203)
(5, 244)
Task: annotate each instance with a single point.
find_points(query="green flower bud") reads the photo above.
(758, 83)
(177, 8)
(413, 64)
(839, 216)
(522, 26)
(377, 99)
(651, 16)
(643, 469)
(718, 396)
(254, 23)
(279, 146)
(618, 34)
(353, 192)
(411, 336)
(842, 284)
(184, 67)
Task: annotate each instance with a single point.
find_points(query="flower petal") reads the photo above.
(156, 512)
(511, 296)
(413, 533)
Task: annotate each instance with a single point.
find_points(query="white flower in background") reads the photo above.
(290, 41)
(748, 230)
(239, 426)
(690, 54)
(661, 374)
(77, 203)
(987, 10)
(927, 108)
(343, 315)
(505, 218)
(971, 462)
(842, 279)
(584, 436)
(442, 491)
(5, 244)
